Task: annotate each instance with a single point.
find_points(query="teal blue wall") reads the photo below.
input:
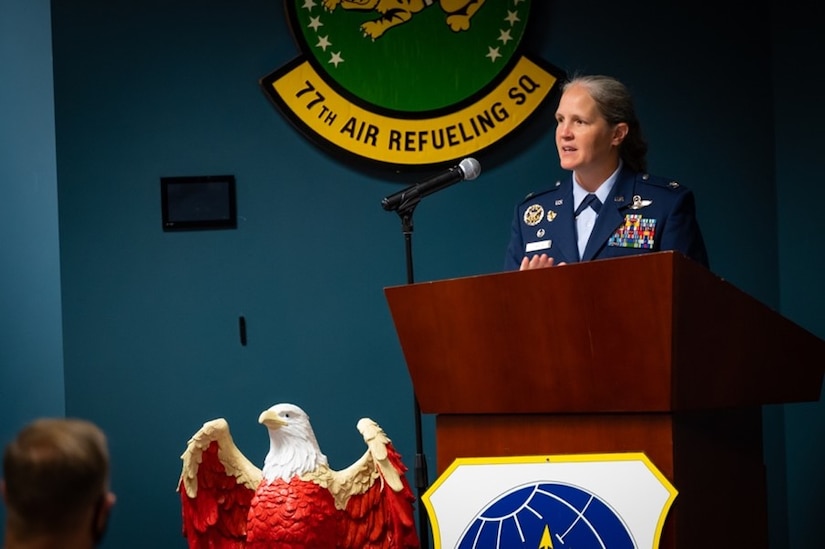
(149, 319)
(31, 340)
(799, 145)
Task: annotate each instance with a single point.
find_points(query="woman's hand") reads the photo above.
(537, 262)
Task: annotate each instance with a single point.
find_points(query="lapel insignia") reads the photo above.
(540, 233)
(533, 214)
(618, 199)
(639, 203)
(673, 184)
(551, 215)
(559, 201)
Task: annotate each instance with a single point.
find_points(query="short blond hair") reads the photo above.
(55, 470)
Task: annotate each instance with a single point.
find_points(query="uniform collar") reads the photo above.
(602, 192)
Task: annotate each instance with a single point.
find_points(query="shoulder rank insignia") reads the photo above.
(533, 214)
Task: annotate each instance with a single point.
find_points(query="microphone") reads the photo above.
(469, 168)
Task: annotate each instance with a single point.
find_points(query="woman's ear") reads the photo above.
(620, 132)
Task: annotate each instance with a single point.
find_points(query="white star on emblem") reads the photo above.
(493, 54)
(504, 36)
(512, 17)
(323, 42)
(308, 5)
(314, 23)
(336, 58)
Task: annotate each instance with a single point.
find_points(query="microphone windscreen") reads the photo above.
(470, 167)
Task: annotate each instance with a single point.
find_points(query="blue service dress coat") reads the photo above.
(642, 214)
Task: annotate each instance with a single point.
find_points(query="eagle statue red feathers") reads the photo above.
(297, 501)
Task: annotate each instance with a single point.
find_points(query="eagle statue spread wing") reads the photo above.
(296, 501)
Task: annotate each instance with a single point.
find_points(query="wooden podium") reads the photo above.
(650, 353)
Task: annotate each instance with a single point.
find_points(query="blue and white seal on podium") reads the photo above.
(611, 501)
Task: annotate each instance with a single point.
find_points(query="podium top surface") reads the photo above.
(654, 332)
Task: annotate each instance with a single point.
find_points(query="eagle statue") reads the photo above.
(296, 501)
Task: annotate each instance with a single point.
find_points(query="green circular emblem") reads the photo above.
(410, 56)
(409, 82)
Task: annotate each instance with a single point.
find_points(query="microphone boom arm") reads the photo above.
(408, 198)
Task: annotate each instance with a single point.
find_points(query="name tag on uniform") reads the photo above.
(536, 246)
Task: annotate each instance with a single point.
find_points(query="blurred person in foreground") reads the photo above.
(56, 485)
(609, 206)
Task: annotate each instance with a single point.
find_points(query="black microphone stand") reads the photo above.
(405, 212)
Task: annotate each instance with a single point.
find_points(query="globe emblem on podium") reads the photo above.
(546, 515)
